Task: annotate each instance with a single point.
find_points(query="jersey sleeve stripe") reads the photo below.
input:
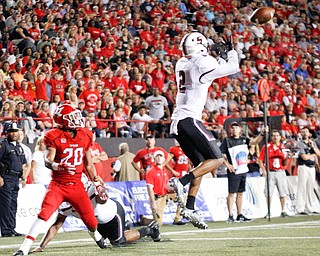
(205, 74)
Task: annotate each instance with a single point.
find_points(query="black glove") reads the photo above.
(219, 49)
(227, 41)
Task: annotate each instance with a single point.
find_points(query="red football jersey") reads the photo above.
(180, 160)
(145, 156)
(69, 151)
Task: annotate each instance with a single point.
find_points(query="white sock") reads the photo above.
(33, 233)
(95, 235)
(25, 247)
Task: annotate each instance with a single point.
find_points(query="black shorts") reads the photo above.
(157, 127)
(114, 229)
(236, 182)
(196, 141)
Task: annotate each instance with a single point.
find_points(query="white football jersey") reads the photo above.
(194, 76)
(103, 212)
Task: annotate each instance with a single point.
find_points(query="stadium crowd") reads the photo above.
(107, 57)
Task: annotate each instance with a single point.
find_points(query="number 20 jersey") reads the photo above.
(70, 151)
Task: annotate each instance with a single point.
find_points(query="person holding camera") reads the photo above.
(307, 161)
(12, 172)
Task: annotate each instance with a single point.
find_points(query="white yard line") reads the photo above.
(247, 238)
(235, 226)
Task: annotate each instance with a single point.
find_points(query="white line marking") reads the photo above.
(246, 238)
(235, 226)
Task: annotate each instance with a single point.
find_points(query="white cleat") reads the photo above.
(194, 218)
(179, 190)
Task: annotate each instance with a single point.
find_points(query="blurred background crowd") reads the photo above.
(115, 61)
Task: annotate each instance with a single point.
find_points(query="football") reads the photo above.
(262, 15)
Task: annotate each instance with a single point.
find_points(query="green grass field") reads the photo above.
(298, 235)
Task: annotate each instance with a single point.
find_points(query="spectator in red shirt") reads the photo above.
(108, 81)
(146, 34)
(39, 10)
(45, 115)
(26, 92)
(91, 97)
(285, 127)
(146, 158)
(58, 85)
(298, 108)
(13, 93)
(139, 61)
(40, 84)
(137, 85)
(120, 81)
(222, 115)
(35, 31)
(159, 74)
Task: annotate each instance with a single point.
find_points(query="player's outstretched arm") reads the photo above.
(51, 233)
(91, 170)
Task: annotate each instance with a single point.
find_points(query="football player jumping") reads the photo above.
(111, 220)
(68, 157)
(195, 72)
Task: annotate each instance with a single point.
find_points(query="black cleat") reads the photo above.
(101, 243)
(179, 223)
(155, 232)
(17, 253)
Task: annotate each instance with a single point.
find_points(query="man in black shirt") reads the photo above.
(235, 150)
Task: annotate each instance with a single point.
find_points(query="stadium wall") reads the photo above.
(211, 202)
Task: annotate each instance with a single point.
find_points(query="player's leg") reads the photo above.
(51, 233)
(114, 230)
(200, 147)
(79, 199)
(151, 230)
(53, 198)
(177, 218)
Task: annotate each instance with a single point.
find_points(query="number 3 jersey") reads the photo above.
(70, 151)
(194, 76)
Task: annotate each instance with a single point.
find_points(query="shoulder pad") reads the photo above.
(50, 136)
(86, 131)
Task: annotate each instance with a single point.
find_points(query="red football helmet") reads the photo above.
(69, 117)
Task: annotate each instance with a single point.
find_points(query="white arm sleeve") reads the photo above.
(212, 69)
(117, 166)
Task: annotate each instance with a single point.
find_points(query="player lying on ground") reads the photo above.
(111, 221)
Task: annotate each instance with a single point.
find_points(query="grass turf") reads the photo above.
(299, 235)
